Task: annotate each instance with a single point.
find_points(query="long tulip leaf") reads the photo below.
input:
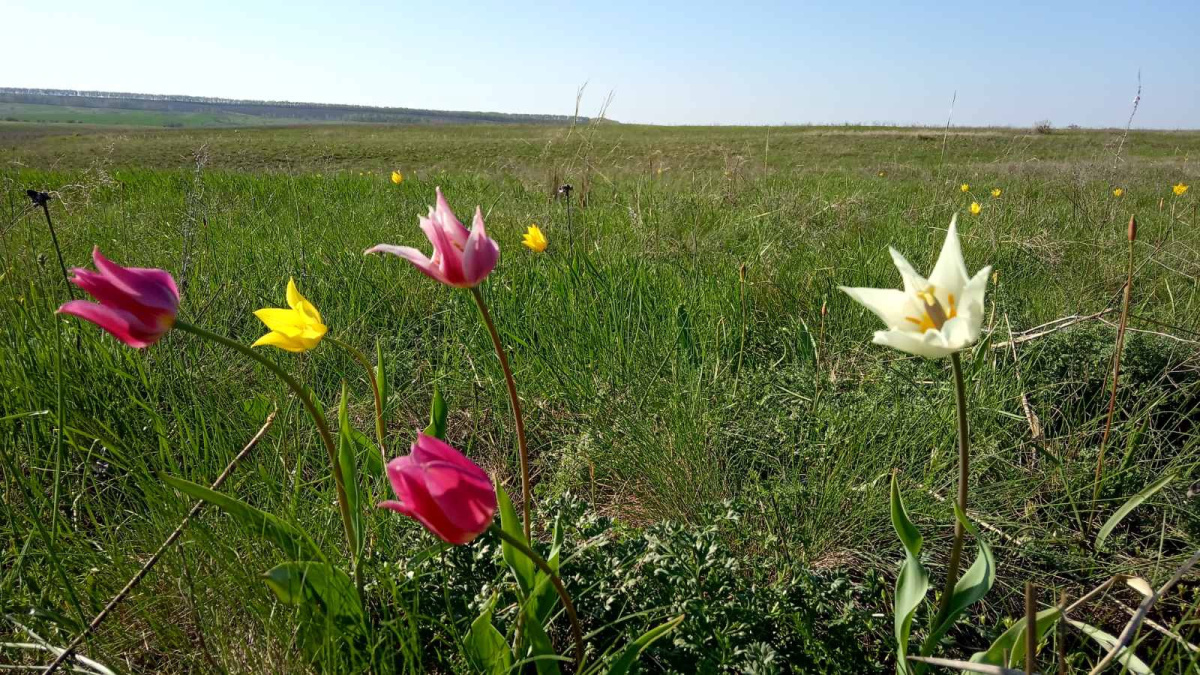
(913, 581)
(1131, 504)
(294, 542)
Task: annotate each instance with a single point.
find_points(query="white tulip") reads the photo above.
(932, 317)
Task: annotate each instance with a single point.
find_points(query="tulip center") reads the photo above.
(935, 314)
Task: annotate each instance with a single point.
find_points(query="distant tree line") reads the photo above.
(326, 112)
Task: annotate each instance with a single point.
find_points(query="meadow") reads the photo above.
(708, 419)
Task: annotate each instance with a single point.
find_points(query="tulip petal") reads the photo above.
(913, 282)
(446, 255)
(929, 344)
(280, 340)
(418, 259)
(152, 287)
(433, 449)
(120, 324)
(950, 272)
(481, 253)
(449, 222)
(283, 321)
(466, 501)
(106, 292)
(889, 304)
(414, 495)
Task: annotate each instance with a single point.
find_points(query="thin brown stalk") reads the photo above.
(1112, 398)
(137, 578)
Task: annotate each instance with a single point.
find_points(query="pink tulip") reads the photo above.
(137, 305)
(443, 490)
(461, 259)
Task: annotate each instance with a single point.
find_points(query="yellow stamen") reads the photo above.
(935, 315)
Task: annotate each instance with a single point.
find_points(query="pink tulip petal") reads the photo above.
(413, 492)
(481, 253)
(447, 256)
(151, 287)
(433, 449)
(418, 259)
(120, 324)
(465, 502)
(450, 224)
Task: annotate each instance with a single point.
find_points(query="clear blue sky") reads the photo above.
(667, 63)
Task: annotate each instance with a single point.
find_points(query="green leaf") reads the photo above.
(300, 583)
(437, 416)
(369, 452)
(913, 581)
(629, 655)
(971, 586)
(1126, 656)
(541, 651)
(349, 466)
(380, 373)
(1012, 641)
(294, 543)
(544, 597)
(486, 647)
(521, 566)
(1128, 506)
(909, 536)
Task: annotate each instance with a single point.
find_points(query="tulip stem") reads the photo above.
(362, 361)
(311, 408)
(964, 468)
(576, 629)
(522, 449)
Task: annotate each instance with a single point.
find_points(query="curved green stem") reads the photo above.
(964, 469)
(310, 407)
(362, 361)
(522, 449)
(576, 629)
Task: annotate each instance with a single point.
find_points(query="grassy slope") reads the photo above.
(628, 363)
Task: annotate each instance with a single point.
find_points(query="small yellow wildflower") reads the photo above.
(975, 208)
(534, 239)
(397, 177)
(297, 329)
(882, 174)
(1179, 189)
(964, 187)
(996, 192)
(1118, 192)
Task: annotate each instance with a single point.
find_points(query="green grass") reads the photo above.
(650, 388)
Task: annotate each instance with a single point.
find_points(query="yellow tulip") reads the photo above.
(996, 192)
(397, 177)
(1118, 192)
(964, 187)
(975, 208)
(534, 239)
(1179, 189)
(297, 329)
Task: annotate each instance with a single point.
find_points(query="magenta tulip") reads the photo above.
(137, 304)
(461, 259)
(443, 490)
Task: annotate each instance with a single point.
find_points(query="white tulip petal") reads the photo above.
(950, 272)
(960, 332)
(972, 295)
(928, 344)
(913, 282)
(889, 304)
